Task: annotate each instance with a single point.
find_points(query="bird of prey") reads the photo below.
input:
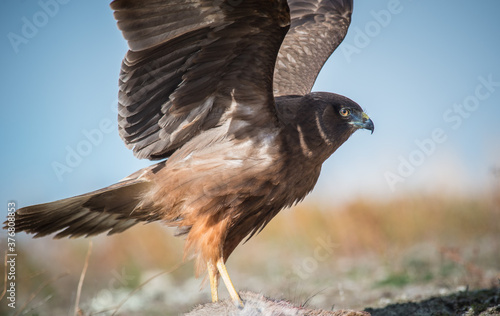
(220, 92)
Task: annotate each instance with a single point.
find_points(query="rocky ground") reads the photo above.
(467, 303)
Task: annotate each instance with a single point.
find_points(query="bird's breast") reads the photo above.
(230, 177)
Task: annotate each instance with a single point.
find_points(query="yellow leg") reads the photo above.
(227, 281)
(214, 281)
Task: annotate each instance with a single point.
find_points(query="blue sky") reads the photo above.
(427, 72)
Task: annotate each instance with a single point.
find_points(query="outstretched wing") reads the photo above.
(317, 29)
(189, 61)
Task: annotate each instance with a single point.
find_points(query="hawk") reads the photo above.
(220, 92)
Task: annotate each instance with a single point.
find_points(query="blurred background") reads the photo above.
(410, 211)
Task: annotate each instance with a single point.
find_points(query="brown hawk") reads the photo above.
(220, 91)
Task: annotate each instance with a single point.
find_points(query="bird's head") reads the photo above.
(343, 112)
(337, 116)
(323, 120)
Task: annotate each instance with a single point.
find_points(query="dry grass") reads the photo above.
(367, 226)
(379, 251)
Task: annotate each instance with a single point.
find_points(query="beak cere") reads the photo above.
(368, 123)
(363, 121)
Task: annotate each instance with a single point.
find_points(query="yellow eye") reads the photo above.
(344, 112)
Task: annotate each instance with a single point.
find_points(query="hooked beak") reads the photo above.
(363, 121)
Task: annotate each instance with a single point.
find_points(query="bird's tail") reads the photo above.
(113, 209)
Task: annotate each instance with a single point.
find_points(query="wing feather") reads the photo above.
(317, 29)
(188, 61)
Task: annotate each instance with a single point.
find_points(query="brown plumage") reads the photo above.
(196, 89)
